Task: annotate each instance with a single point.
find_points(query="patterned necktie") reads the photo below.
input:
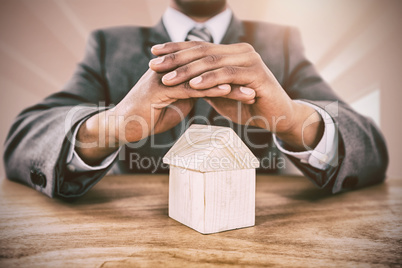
(199, 34)
(200, 108)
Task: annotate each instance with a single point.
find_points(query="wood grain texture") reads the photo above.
(212, 202)
(123, 222)
(229, 200)
(210, 148)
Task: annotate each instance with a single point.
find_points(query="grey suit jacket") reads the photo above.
(37, 144)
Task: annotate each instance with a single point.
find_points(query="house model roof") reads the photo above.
(208, 148)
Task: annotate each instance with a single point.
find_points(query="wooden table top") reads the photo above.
(123, 222)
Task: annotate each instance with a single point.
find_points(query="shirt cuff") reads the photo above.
(76, 164)
(326, 151)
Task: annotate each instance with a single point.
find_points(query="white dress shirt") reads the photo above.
(178, 25)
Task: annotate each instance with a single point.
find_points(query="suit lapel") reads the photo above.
(235, 32)
(153, 36)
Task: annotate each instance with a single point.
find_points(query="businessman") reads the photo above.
(138, 88)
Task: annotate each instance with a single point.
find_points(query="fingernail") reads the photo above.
(170, 75)
(158, 60)
(196, 80)
(246, 90)
(224, 87)
(160, 46)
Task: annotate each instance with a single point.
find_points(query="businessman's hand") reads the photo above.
(149, 108)
(207, 65)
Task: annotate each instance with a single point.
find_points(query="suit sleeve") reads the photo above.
(362, 156)
(37, 145)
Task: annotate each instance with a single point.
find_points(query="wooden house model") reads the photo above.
(212, 180)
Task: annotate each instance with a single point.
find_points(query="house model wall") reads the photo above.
(212, 180)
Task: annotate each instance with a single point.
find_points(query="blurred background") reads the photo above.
(356, 45)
